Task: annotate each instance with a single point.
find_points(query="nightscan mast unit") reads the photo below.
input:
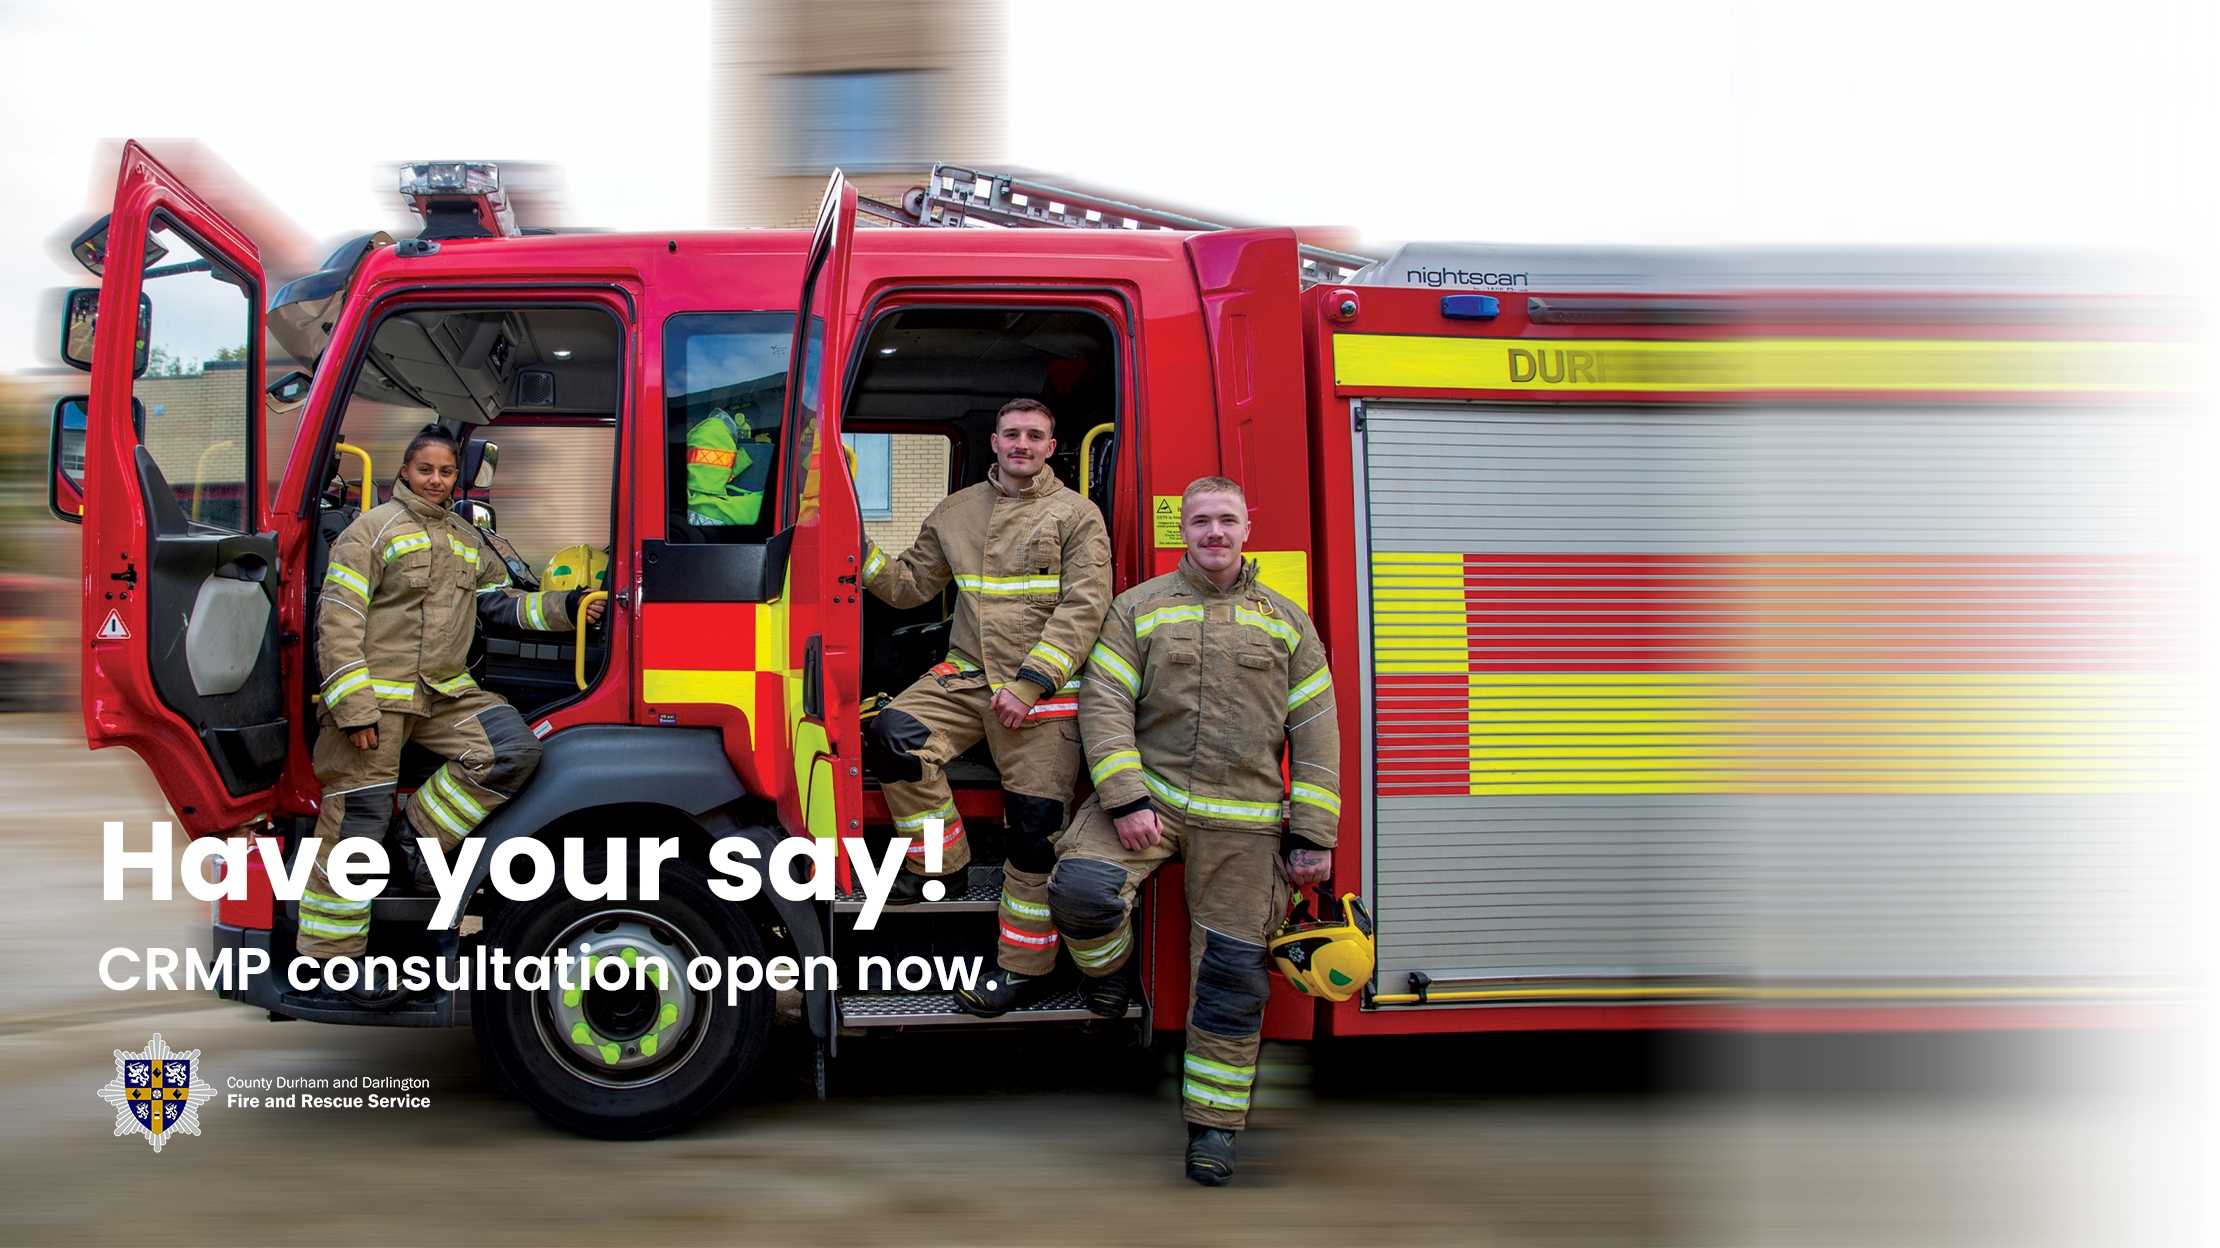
(960, 197)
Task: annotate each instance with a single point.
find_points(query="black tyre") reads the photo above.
(630, 1062)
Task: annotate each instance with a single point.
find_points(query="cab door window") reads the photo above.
(198, 391)
(535, 394)
(724, 386)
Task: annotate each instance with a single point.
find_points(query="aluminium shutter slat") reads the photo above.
(2020, 618)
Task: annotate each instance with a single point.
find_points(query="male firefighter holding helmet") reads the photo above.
(1201, 678)
(1031, 563)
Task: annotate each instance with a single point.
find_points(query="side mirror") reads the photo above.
(80, 313)
(288, 391)
(65, 460)
(477, 513)
(479, 458)
(91, 248)
(65, 455)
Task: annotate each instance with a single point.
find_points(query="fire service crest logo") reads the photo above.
(157, 1092)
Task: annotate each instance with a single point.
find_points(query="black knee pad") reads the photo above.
(1029, 822)
(516, 752)
(888, 748)
(1231, 987)
(367, 812)
(1030, 854)
(1083, 898)
(1026, 815)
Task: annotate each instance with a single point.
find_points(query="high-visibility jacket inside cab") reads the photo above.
(726, 470)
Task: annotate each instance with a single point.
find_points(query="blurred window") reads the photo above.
(874, 473)
(855, 121)
(912, 481)
(199, 397)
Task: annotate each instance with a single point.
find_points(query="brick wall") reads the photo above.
(189, 422)
(919, 465)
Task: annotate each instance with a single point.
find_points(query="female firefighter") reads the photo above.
(408, 582)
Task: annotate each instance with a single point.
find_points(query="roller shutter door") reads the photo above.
(1835, 696)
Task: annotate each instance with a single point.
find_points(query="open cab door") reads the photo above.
(181, 578)
(825, 613)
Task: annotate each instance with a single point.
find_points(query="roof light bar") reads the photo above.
(458, 198)
(450, 177)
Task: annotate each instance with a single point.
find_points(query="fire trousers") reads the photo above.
(941, 716)
(1237, 894)
(490, 754)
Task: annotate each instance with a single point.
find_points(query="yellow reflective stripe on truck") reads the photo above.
(1412, 362)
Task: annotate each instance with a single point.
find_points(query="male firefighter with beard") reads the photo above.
(1031, 563)
(1201, 677)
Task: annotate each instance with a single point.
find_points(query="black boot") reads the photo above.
(909, 887)
(388, 993)
(1108, 995)
(1001, 992)
(417, 869)
(1209, 1155)
(359, 997)
(321, 997)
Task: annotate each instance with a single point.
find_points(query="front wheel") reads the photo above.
(630, 1061)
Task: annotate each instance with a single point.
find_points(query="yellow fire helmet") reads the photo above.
(577, 567)
(1329, 956)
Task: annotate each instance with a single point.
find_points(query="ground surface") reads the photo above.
(1019, 1140)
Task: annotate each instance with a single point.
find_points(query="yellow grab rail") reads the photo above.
(1087, 458)
(368, 474)
(584, 601)
(200, 469)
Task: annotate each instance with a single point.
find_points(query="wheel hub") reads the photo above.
(632, 1032)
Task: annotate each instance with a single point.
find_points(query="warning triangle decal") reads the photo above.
(112, 629)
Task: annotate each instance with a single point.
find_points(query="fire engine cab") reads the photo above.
(1715, 647)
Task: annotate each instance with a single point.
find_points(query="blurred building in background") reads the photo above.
(38, 554)
(876, 88)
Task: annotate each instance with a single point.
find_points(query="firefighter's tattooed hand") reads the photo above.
(1309, 866)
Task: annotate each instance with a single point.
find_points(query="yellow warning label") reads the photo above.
(1287, 571)
(1166, 515)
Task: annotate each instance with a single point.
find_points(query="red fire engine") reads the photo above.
(1779, 641)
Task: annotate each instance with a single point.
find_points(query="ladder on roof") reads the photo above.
(958, 197)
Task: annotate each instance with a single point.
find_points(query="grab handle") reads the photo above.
(584, 601)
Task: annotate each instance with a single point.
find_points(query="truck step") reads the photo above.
(938, 1009)
(979, 890)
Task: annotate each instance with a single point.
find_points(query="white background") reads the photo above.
(1565, 122)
